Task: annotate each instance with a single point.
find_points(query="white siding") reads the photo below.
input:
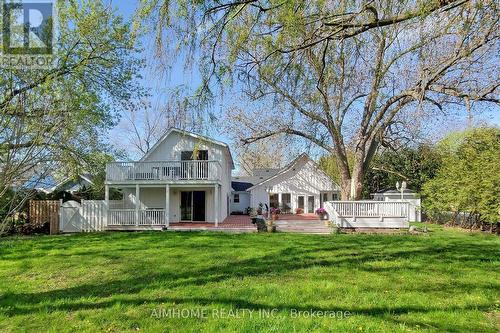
(170, 149)
(243, 204)
(154, 197)
(303, 180)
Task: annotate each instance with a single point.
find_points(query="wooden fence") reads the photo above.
(42, 211)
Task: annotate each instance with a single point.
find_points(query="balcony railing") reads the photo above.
(163, 171)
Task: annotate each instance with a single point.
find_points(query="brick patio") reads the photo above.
(299, 217)
(242, 223)
(236, 223)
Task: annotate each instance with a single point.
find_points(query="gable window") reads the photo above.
(236, 198)
(188, 155)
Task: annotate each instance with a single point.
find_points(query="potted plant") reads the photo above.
(260, 209)
(275, 212)
(323, 215)
(299, 211)
(321, 212)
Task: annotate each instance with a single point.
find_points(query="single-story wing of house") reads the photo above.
(299, 185)
(406, 196)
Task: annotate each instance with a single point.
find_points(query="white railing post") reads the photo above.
(106, 205)
(167, 205)
(137, 204)
(216, 205)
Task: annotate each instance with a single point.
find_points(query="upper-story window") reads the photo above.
(188, 155)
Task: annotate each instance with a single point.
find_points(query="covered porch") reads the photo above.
(157, 206)
(232, 223)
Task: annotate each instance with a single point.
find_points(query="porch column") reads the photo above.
(137, 203)
(106, 204)
(216, 205)
(167, 205)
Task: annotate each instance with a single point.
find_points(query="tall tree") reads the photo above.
(143, 123)
(56, 119)
(349, 75)
(270, 153)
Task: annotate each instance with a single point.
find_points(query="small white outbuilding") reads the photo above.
(406, 196)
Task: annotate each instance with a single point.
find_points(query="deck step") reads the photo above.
(303, 226)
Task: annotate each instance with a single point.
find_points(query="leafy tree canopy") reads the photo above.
(56, 120)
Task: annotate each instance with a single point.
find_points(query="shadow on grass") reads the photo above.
(281, 255)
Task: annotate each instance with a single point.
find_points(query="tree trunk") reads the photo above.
(358, 174)
(357, 183)
(351, 184)
(345, 174)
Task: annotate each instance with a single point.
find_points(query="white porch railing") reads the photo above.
(370, 208)
(129, 217)
(168, 170)
(121, 217)
(368, 214)
(152, 217)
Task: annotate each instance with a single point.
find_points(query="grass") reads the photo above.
(446, 280)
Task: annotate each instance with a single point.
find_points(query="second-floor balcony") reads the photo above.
(163, 171)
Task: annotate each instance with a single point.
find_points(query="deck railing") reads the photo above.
(121, 217)
(168, 170)
(152, 217)
(370, 208)
(129, 217)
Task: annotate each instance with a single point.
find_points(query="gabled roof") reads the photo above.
(193, 135)
(302, 157)
(48, 184)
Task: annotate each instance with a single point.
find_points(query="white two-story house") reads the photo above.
(185, 177)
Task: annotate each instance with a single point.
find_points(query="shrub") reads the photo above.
(469, 177)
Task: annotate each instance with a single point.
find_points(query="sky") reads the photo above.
(158, 84)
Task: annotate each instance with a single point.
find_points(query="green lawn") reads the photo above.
(443, 281)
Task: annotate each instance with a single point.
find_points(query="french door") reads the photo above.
(193, 206)
(310, 204)
(300, 201)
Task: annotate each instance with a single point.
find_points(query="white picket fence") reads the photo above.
(88, 216)
(94, 215)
